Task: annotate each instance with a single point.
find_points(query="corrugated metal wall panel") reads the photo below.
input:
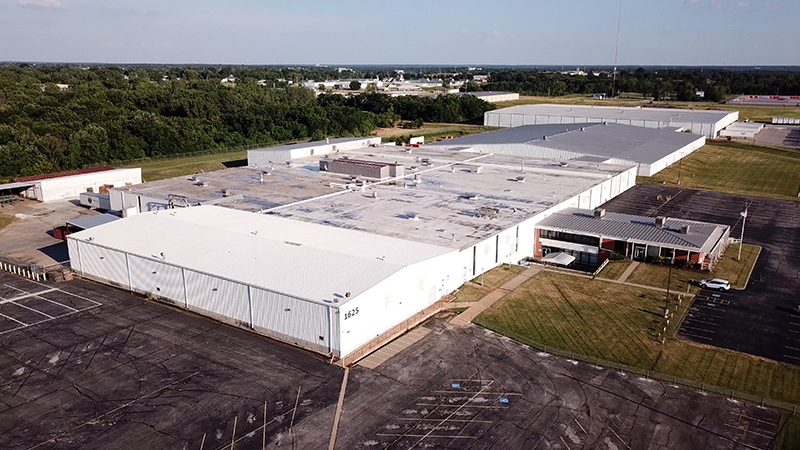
(104, 263)
(160, 279)
(290, 316)
(74, 255)
(218, 296)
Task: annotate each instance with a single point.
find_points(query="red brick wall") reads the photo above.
(537, 247)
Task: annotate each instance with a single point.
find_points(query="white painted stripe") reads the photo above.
(15, 320)
(28, 295)
(34, 310)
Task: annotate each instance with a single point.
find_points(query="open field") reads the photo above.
(735, 168)
(614, 269)
(754, 113)
(498, 276)
(618, 323)
(431, 130)
(737, 272)
(6, 220)
(175, 167)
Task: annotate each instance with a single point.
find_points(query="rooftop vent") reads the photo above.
(520, 179)
(204, 183)
(685, 229)
(563, 164)
(413, 216)
(660, 222)
(599, 213)
(469, 196)
(226, 192)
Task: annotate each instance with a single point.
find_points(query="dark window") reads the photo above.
(570, 237)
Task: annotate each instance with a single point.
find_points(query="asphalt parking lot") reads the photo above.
(124, 371)
(471, 388)
(762, 319)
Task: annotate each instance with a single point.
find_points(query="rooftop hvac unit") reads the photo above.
(226, 192)
(563, 164)
(599, 213)
(520, 179)
(413, 216)
(660, 221)
(685, 229)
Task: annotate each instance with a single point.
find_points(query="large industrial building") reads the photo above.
(338, 246)
(70, 184)
(706, 122)
(334, 253)
(651, 150)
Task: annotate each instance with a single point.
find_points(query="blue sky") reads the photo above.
(469, 32)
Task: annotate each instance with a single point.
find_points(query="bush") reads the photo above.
(614, 256)
(657, 260)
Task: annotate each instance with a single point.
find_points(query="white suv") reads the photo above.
(716, 283)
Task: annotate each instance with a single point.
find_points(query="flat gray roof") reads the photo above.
(87, 222)
(619, 112)
(590, 142)
(444, 199)
(701, 237)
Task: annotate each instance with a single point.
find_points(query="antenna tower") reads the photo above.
(616, 53)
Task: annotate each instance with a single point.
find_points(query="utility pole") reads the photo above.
(744, 220)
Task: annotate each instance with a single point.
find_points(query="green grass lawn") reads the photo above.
(176, 167)
(6, 220)
(618, 323)
(736, 168)
(469, 294)
(737, 272)
(434, 130)
(498, 276)
(614, 269)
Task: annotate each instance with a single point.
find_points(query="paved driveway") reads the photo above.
(761, 320)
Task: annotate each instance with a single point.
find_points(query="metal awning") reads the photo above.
(16, 185)
(562, 259)
(84, 223)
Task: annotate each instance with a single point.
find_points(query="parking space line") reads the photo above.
(34, 310)
(455, 406)
(698, 336)
(451, 420)
(15, 320)
(67, 292)
(57, 303)
(793, 348)
(699, 329)
(793, 357)
(24, 296)
(692, 319)
(426, 436)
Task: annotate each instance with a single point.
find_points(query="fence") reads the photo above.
(653, 375)
(34, 271)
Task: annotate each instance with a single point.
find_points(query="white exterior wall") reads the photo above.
(225, 300)
(396, 299)
(500, 119)
(262, 157)
(72, 186)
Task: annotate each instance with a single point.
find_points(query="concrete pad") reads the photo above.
(624, 277)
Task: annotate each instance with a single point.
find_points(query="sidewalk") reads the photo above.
(483, 304)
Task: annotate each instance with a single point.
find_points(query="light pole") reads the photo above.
(744, 220)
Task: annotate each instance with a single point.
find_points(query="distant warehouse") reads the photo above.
(705, 122)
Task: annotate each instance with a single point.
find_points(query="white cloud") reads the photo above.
(44, 4)
(741, 5)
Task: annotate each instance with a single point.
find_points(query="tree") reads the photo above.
(355, 85)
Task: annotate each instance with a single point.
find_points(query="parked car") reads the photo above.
(716, 283)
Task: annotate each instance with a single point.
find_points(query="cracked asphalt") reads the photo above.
(134, 373)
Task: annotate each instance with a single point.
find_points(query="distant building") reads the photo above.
(493, 96)
(706, 122)
(480, 78)
(228, 79)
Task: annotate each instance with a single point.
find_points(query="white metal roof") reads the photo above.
(620, 112)
(311, 261)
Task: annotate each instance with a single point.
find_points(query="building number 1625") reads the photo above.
(350, 313)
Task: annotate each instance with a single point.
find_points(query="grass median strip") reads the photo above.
(728, 268)
(620, 323)
(735, 168)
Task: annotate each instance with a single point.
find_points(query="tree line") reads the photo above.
(62, 118)
(682, 84)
